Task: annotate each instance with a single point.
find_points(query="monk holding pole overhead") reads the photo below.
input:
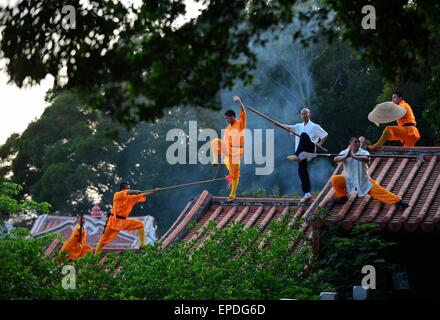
(400, 111)
(117, 220)
(311, 137)
(231, 148)
(76, 247)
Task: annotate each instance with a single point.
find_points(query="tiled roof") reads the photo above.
(94, 227)
(417, 182)
(248, 211)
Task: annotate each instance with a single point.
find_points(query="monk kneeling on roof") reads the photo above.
(76, 247)
(357, 180)
(117, 220)
(231, 148)
(405, 131)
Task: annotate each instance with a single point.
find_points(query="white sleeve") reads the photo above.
(321, 133)
(294, 127)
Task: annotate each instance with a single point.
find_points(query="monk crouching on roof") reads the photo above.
(405, 131)
(231, 148)
(76, 247)
(356, 178)
(117, 220)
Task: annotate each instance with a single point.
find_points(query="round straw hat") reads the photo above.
(386, 112)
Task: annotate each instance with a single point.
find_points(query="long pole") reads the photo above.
(189, 184)
(81, 226)
(279, 124)
(273, 121)
(370, 155)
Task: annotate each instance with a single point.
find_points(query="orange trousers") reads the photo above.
(408, 136)
(376, 192)
(230, 156)
(129, 224)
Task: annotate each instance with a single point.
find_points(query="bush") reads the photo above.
(344, 253)
(229, 266)
(25, 271)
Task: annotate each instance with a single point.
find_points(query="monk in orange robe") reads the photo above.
(231, 148)
(117, 220)
(405, 131)
(76, 247)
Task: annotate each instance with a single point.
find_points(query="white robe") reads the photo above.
(357, 178)
(313, 130)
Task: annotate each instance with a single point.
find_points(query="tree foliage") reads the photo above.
(229, 266)
(346, 91)
(64, 155)
(404, 47)
(70, 157)
(403, 41)
(112, 55)
(26, 272)
(10, 202)
(345, 253)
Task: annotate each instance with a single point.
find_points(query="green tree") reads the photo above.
(229, 266)
(114, 59)
(345, 253)
(134, 62)
(64, 156)
(26, 272)
(404, 47)
(10, 202)
(70, 154)
(346, 91)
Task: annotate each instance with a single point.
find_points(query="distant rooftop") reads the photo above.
(94, 227)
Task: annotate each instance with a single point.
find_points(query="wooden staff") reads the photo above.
(81, 226)
(279, 124)
(188, 184)
(309, 155)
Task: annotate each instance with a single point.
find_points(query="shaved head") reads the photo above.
(305, 110)
(305, 114)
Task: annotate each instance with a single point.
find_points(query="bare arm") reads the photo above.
(284, 126)
(361, 158)
(137, 192)
(321, 142)
(240, 103)
(148, 193)
(343, 157)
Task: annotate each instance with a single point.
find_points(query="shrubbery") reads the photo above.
(344, 253)
(229, 266)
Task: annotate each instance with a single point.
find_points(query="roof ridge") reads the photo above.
(198, 206)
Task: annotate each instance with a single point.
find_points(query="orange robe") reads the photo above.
(376, 192)
(231, 148)
(74, 247)
(408, 136)
(123, 203)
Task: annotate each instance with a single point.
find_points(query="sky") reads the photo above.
(18, 107)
